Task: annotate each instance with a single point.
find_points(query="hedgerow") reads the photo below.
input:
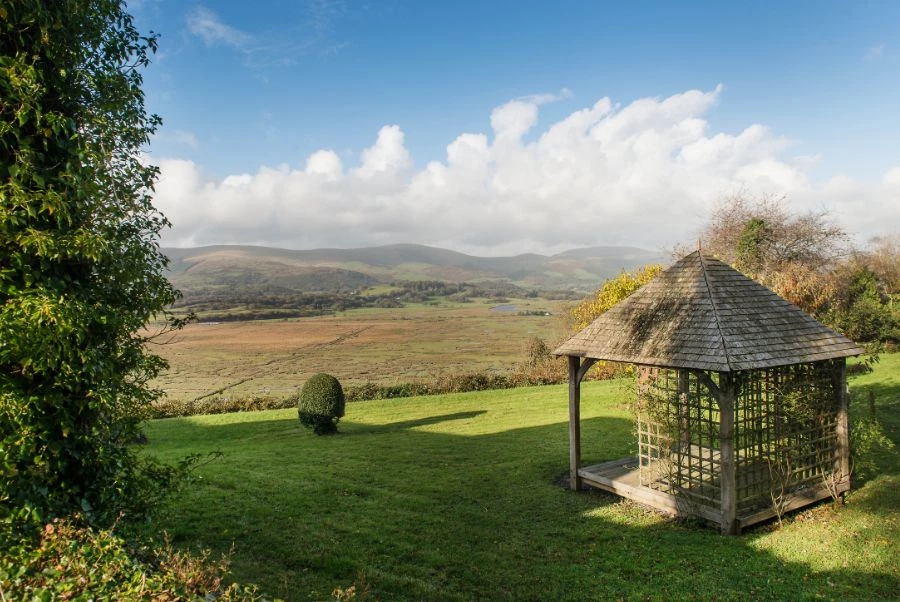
(443, 384)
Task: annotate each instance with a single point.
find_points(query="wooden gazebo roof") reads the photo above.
(703, 314)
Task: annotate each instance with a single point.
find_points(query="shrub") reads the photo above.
(609, 294)
(869, 443)
(222, 404)
(321, 404)
(69, 560)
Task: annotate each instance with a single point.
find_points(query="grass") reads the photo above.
(386, 346)
(458, 498)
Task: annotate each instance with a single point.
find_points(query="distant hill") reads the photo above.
(247, 268)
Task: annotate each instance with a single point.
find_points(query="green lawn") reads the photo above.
(458, 498)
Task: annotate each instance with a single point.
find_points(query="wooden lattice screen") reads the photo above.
(678, 435)
(785, 436)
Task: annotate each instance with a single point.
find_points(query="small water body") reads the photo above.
(505, 308)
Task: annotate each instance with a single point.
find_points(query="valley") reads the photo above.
(382, 345)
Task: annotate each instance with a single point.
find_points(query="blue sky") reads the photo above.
(803, 95)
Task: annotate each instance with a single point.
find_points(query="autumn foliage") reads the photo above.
(811, 262)
(610, 293)
(803, 257)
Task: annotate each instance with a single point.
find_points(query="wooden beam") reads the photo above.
(585, 366)
(684, 425)
(623, 480)
(574, 422)
(842, 399)
(704, 378)
(727, 483)
(797, 499)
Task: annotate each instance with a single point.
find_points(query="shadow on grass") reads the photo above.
(427, 515)
(368, 429)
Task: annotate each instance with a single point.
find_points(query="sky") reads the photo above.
(504, 127)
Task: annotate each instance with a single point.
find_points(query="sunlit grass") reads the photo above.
(457, 497)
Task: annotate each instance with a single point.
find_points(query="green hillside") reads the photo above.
(329, 269)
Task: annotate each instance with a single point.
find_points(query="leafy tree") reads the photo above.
(776, 236)
(610, 293)
(80, 267)
(793, 254)
(809, 261)
(749, 253)
(883, 259)
(862, 306)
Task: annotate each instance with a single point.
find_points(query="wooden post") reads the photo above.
(842, 399)
(574, 422)
(684, 408)
(726, 454)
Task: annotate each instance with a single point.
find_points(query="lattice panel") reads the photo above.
(678, 435)
(784, 432)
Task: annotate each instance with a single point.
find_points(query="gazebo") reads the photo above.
(741, 400)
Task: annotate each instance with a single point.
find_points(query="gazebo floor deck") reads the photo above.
(623, 478)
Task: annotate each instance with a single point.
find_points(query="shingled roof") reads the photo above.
(701, 313)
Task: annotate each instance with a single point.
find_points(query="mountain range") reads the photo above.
(336, 270)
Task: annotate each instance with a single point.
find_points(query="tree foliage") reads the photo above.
(790, 253)
(883, 259)
(809, 261)
(80, 268)
(862, 304)
(610, 293)
(775, 234)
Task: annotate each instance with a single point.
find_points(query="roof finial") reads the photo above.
(699, 245)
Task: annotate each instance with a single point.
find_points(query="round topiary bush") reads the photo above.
(321, 404)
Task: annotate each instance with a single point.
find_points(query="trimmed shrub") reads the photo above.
(321, 404)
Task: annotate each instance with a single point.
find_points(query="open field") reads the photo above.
(457, 498)
(386, 346)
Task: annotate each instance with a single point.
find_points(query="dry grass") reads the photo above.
(274, 357)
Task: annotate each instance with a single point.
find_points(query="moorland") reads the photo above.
(268, 318)
(238, 283)
(418, 342)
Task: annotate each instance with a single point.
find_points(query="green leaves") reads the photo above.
(320, 404)
(80, 269)
(613, 291)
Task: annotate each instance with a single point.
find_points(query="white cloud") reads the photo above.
(892, 179)
(205, 24)
(186, 138)
(875, 52)
(646, 173)
(512, 120)
(387, 156)
(281, 46)
(325, 163)
(541, 99)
